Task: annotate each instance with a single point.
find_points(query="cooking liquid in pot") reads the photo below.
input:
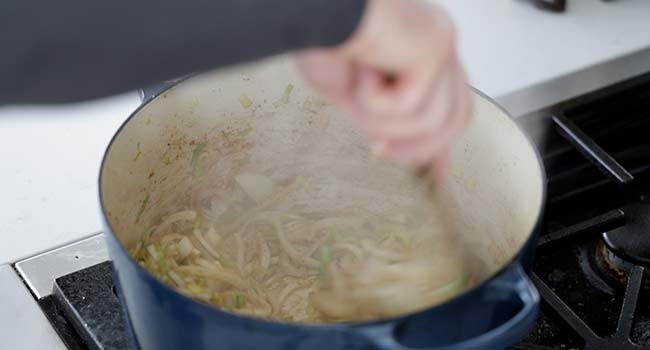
(249, 254)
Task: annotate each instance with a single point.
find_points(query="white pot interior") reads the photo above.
(494, 192)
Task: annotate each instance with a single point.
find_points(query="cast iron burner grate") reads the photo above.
(86, 312)
(591, 273)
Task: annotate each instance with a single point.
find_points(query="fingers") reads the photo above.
(443, 118)
(329, 73)
(385, 94)
(431, 113)
(414, 116)
(411, 40)
(417, 78)
(370, 95)
(441, 166)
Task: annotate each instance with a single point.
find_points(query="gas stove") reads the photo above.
(591, 259)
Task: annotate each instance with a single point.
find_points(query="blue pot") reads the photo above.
(493, 315)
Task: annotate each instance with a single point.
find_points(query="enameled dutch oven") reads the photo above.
(495, 194)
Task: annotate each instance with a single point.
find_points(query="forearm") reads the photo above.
(58, 51)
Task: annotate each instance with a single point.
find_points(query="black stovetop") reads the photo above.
(589, 266)
(591, 256)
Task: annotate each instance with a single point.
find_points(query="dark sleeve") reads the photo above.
(69, 50)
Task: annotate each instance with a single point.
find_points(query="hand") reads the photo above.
(398, 75)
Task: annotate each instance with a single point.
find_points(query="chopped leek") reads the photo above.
(150, 265)
(226, 262)
(143, 206)
(259, 270)
(245, 101)
(452, 288)
(240, 301)
(195, 289)
(197, 223)
(153, 252)
(200, 148)
(216, 298)
(286, 94)
(325, 256)
(136, 250)
(137, 155)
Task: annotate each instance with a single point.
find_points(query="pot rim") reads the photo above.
(327, 326)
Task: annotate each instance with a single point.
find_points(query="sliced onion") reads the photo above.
(222, 276)
(176, 278)
(291, 250)
(284, 294)
(152, 251)
(204, 244)
(257, 187)
(265, 308)
(185, 247)
(213, 237)
(265, 254)
(181, 215)
(212, 265)
(170, 237)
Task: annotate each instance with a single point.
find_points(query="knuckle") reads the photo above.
(446, 36)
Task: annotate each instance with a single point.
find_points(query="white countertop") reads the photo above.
(529, 59)
(50, 160)
(524, 57)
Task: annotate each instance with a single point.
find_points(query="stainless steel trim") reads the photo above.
(40, 271)
(574, 84)
(22, 323)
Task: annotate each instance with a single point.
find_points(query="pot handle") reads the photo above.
(513, 285)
